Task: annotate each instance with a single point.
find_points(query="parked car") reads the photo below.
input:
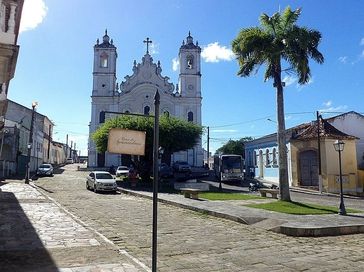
(45, 169)
(181, 166)
(101, 181)
(69, 160)
(165, 171)
(122, 171)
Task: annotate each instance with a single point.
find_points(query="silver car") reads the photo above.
(101, 181)
(45, 169)
(122, 171)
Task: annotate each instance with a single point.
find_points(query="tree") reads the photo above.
(234, 147)
(278, 40)
(175, 135)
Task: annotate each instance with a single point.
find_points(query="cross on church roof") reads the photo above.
(147, 41)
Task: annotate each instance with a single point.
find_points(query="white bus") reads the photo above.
(229, 167)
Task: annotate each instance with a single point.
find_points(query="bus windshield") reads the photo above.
(231, 164)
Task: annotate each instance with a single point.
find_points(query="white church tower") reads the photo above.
(190, 92)
(103, 92)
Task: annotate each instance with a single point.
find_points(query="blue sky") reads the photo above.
(56, 55)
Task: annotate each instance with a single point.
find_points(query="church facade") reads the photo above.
(136, 94)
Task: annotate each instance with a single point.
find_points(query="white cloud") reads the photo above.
(289, 80)
(330, 108)
(154, 48)
(214, 52)
(34, 12)
(175, 64)
(327, 103)
(362, 41)
(343, 59)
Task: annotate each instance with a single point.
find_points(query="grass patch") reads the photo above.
(298, 208)
(227, 196)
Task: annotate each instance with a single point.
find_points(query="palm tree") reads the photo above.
(278, 41)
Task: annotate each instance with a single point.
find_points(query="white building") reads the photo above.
(136, 94)
(352, 123)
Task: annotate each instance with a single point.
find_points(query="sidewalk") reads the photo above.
(37, 234)
(292, 225)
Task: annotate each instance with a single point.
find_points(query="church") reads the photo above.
(136, 94)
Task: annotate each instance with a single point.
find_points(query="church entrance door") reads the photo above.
(309, 168)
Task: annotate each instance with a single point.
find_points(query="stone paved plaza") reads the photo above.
(38, 235)
(187, 241)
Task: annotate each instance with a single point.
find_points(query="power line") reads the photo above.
(240, 123)
(262, 118)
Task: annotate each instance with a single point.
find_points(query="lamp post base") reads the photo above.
(342, 210)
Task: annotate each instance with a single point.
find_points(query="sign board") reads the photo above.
(344, 177)
(124, 141)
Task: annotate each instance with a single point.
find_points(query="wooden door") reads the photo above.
(309, 168)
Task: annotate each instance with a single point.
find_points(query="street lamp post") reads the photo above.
(155, 180)
(339, 147)
(30, 142)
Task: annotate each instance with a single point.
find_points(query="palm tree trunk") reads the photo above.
(281, 138)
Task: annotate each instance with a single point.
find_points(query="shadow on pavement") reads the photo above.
(20, 246)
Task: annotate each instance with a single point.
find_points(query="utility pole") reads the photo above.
(30, 143)
(49, 142)
(208, 146)
(71, 149)
(318, 116)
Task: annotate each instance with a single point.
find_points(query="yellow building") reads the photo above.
(306, 160)
(312, 160)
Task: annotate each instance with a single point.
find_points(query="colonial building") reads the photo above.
(305, 155)
(10, 14)
(136, 94)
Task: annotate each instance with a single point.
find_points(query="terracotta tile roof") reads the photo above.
(308, 131)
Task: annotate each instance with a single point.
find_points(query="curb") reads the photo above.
(188, 207)
(279, 226)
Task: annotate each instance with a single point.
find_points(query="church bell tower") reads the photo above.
(190, 68)
(103, 92)
(104, 72)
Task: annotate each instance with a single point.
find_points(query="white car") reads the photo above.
(122, 171)
(69, 160)
(101, 181)
(45, 169)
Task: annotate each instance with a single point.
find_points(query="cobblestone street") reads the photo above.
(189, 241)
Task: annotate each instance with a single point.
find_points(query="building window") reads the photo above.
(104, 60)
(146, 110)
(274, 156)
(189, 61)
(166, 113)
(190, 116)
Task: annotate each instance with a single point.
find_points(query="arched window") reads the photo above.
(267, 158)
(102, 117)
(189, 61)
(190, 116)
(104, 60)
(274, 156)
(166, 113)
(146, 110)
